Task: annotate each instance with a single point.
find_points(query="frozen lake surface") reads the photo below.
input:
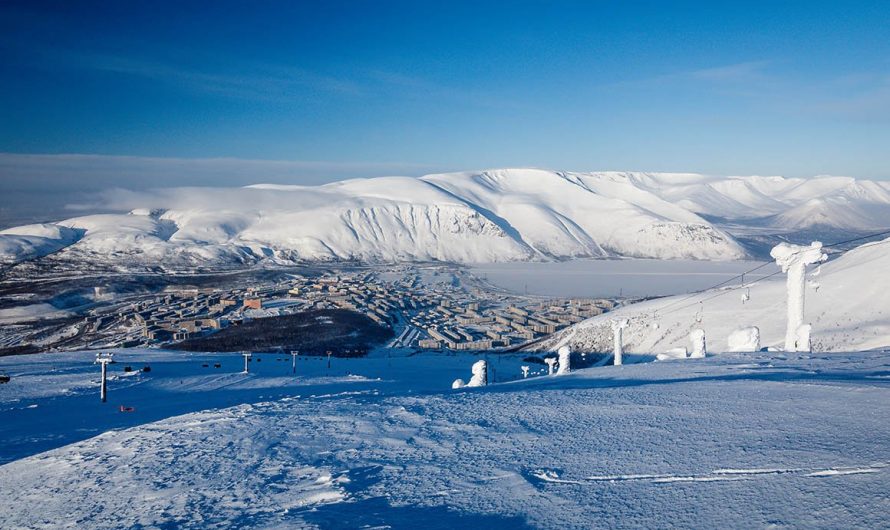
(608, 278)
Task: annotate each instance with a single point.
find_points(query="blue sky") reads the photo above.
(364, 88)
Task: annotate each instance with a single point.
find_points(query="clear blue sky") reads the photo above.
(792, 88)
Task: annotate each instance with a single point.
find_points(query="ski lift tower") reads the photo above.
(293, 356)
(794, 260)
(618, 326)
(247, 355)
(103, 359)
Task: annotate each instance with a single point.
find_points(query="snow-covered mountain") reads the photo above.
(490, 216)
(845, 303)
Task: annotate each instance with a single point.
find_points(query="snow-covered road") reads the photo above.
(738, 440)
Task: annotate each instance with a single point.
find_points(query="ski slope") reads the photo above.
(732, 441)
(845, 303)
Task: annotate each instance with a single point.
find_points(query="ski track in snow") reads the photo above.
(705, 443)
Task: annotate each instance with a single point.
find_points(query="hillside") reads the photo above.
(470, 217)
(502, 215)
(845, 302)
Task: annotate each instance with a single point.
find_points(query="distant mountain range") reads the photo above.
(470, 217)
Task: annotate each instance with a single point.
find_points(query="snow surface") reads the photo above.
(740, 440)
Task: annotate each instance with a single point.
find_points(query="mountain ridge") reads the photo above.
(515, 214)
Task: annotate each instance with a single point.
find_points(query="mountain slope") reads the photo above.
(848, 311)
(502, 215)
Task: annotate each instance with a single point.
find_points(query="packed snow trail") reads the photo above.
(737, 441)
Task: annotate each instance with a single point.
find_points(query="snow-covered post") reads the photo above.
(103, 359)
(480, 374)
(618, 337)
(699, 348)
(524, 371)
(247, 355)
(803, 338)
(329, 358)
(550, 362)
(794, 260)
(565, 360)
(293, 356)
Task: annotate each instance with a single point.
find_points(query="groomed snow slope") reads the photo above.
(735, 441)
(850, 309)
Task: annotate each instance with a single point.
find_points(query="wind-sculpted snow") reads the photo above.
(745, 440)
(846, 304)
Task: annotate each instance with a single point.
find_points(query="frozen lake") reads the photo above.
(608, 278)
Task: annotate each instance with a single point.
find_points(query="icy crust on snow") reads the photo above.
(493, 216)
(850, 310)
(705, 443)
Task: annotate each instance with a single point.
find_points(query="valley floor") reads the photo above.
(735, 440)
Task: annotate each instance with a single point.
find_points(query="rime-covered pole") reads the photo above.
(480, 374)
(293, 356)
(565, 360)
(103, 393)
(794, 260)
(550, 362)
(247, 356)
(103, 359)
(618, 338)
(699, 346)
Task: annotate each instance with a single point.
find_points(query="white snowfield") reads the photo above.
(740, 440)
(472, 217)
(846, 303)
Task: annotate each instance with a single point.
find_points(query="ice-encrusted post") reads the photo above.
(293, 357)
(794, 260)
(103, 359)
(247, 355)
(524, 371)
(565, 360)
(699, 347)
(618, 338)
(550, 362)
(480, 374)
(803, 338)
